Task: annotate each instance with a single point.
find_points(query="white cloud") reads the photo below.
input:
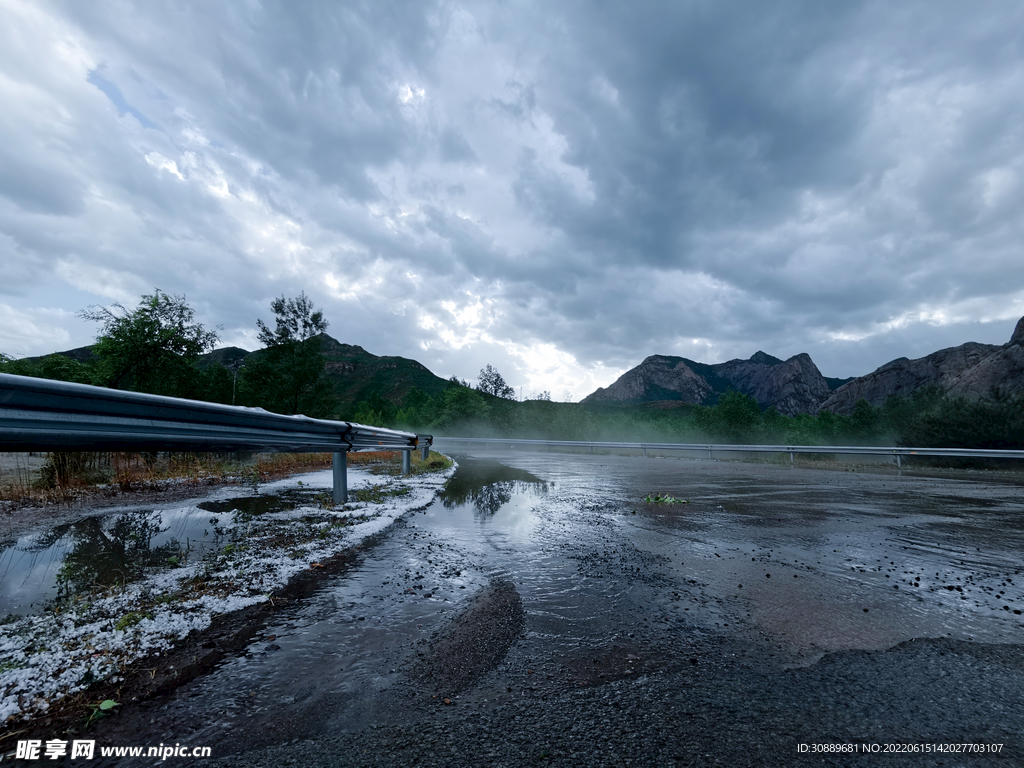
(43, 327)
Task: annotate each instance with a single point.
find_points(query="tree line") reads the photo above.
(928, 418)
(157, 347)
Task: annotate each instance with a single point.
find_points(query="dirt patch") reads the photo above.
(474, 642)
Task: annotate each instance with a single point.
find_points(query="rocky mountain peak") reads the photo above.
(1018, 333)
(332, 346)
(658, 377)
(970, 370)
(764, 358)
(791, 386)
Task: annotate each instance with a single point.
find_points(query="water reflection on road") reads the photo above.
(99, 553)
(796, 562)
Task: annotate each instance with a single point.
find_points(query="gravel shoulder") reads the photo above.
(719, 712)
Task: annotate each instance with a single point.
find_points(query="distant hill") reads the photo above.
(229, 357)
(970, 370)
(796, 386)
(355, 373)
(78, 354)
(790, 386)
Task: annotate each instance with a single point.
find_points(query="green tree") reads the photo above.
(416, 411)
(492, 383)
(994, 421)
(153, 348)
(461, 406)
(774, 424)
(61, 368)
(287, 376)
(864, 421)
(829, 426)
(801, 429)
(215, 384)
(375, 411)
(739, 417)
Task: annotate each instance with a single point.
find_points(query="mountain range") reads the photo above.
(796, 385)
(792, 386)
(355, 373)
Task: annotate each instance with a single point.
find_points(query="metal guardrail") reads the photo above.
(792, 450)
(45, 415)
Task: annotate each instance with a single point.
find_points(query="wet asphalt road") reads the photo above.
(541, 579)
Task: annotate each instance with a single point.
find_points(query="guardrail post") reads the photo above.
(791, 459)
(340, 466)
(424, 452)
(406, 462)
(645, 452)
(899, 462)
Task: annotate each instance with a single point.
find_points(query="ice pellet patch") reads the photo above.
(46, 657)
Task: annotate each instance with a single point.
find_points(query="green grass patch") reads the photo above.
(130, 620)
(378, 494)
(657, 498)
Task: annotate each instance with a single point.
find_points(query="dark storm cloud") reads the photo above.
(472, 182)
(719, 125)
(714, 120)
(308, 92)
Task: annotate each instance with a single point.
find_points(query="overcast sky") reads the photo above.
(558, 189)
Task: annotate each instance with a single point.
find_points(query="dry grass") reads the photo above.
(390, 462)
(16, 477)
(66, 477)
(374, 457)
(277, 465)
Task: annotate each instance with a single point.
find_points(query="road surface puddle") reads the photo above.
(98, 554)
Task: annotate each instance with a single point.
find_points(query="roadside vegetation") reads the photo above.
(68, 476)
(929, 418)
(156, 348)
(65, 477)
